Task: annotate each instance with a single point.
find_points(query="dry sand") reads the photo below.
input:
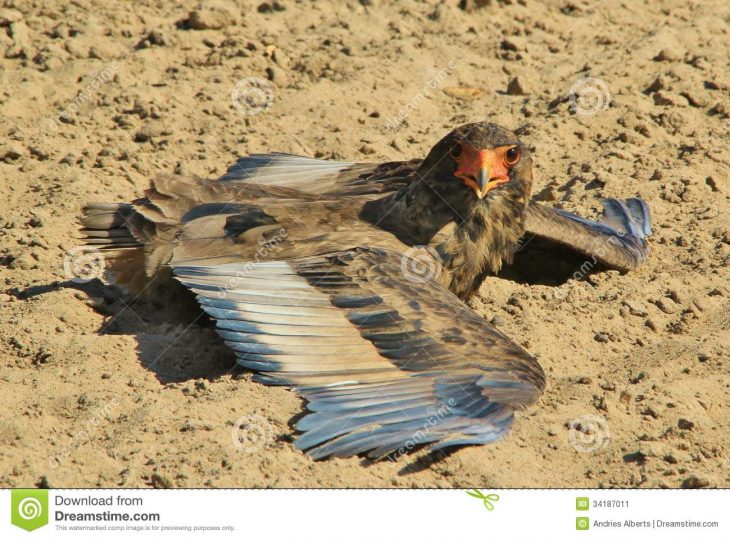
(100, 390)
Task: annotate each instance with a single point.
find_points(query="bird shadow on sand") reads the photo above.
(421, 463)
(540, 262)
(175, 342)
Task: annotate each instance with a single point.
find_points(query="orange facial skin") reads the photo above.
(483, 170)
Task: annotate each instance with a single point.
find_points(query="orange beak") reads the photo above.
(482, 170)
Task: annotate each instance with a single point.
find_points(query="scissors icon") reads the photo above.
(486, 499)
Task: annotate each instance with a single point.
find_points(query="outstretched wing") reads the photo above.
(618, 242)
(319, 176)
(385, 363)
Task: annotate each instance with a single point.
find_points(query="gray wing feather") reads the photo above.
(620, 241)
(385, 366)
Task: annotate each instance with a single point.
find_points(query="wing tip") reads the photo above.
(631, 215)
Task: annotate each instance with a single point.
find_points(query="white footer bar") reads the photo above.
(353, 514)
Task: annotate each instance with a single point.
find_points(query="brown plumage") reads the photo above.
(345, 281)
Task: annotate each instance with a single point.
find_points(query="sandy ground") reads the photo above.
(98, 389)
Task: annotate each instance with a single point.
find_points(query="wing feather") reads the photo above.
(384, 365)
(319, 176)
(619, 242)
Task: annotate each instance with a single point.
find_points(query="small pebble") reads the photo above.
(517, 87)
(695, 482)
